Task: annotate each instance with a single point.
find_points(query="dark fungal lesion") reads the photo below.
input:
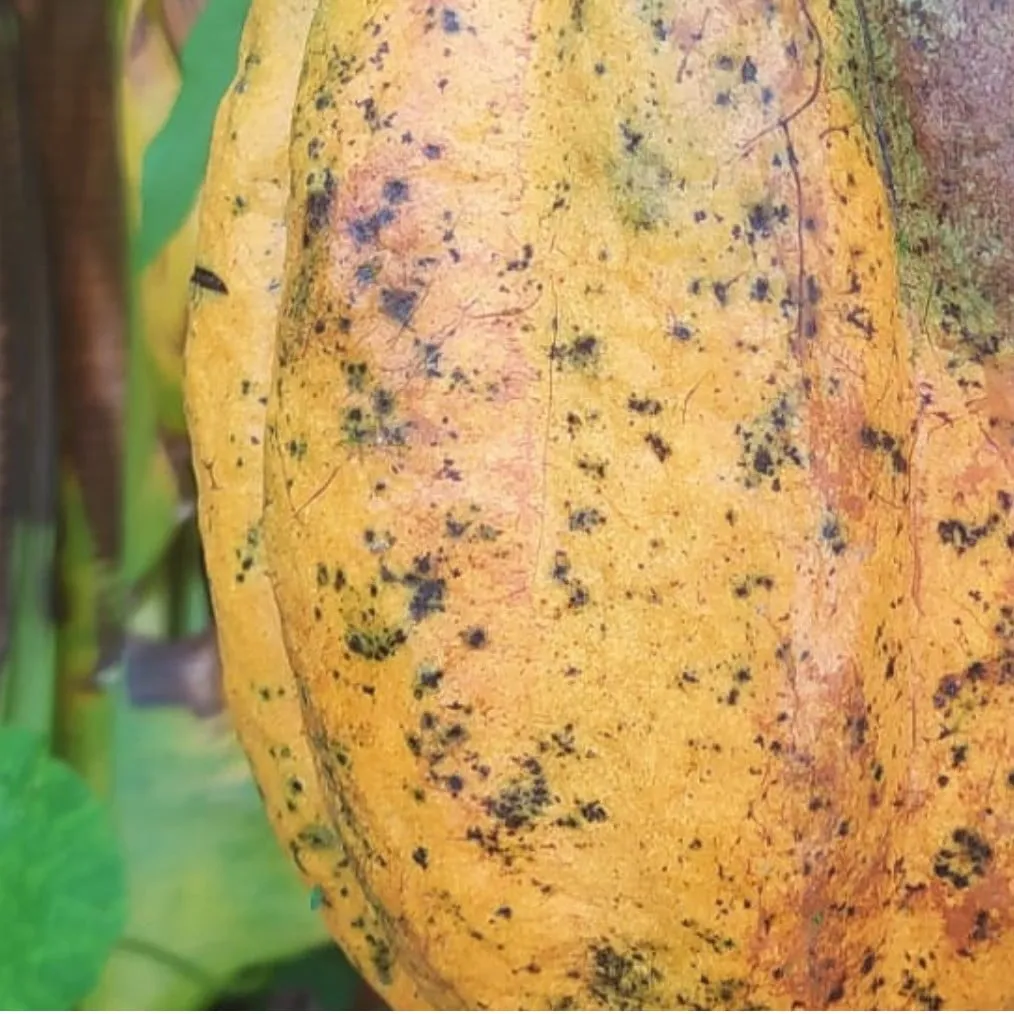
(248, 553)
(582, 352)
(658, 445)
(428, 677)
(963, 535)
(963, 859)
(427, 588)
(470, 528)
(398, 304)
(644, 405)
(375, 645)
(523, 799)
(475, 637)
(585, 519)
(372, 418)
(769, 446)
(578, 595)
(832, 534)
(880, 441)
(321, 190)
(920, 990)
(624, 977)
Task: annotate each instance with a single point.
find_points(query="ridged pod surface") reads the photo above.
(615, 591)
(229, 359)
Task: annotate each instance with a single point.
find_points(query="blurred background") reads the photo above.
(137, 870)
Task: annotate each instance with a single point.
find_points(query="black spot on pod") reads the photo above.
(204, 278)
(398, 304)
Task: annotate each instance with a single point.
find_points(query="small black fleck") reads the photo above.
(204, 278)
(475, 637)
(395, 191)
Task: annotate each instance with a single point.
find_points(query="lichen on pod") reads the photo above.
(640, 549)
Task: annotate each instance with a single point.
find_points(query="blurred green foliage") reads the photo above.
(135, 858)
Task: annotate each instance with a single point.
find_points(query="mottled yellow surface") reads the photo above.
(641, 554)
(229, 361)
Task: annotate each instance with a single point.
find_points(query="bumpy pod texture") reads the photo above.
(609, 530)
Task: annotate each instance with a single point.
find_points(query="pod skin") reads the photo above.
(640, 540)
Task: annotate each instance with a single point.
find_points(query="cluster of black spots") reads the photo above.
(592, 812)
(523, 262)
(375, 645)
(327, 577)
(594, 467)
(372, 422)
(371, 115)
(578, 595)
(439, 738)
(470, 530)
(585, 519)
(428, 678)
(631, 138)
(762, 582)
(763, 218)
(861, 319)
(319, 201)
(561, 743)
(659, 447)
(981, 928)
(831, 535)
(857, 727)
(247, 553)
(523, 799)
(873, 439)
(964, 859)
(378, 542)
(421, 857)
(716, 942)
(1004, 629)
(429, 355)
(768, 446)
(428, 590)
(381, 957)
(296, 449)
(741, 676)
(581, 353)
(922, 994)
(962, 535)
(644, 406)
(366, 230)
(623, 979)
(356, 375)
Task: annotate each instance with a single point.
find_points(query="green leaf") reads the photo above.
(175, 160)
(211, 890)
(62, 903)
